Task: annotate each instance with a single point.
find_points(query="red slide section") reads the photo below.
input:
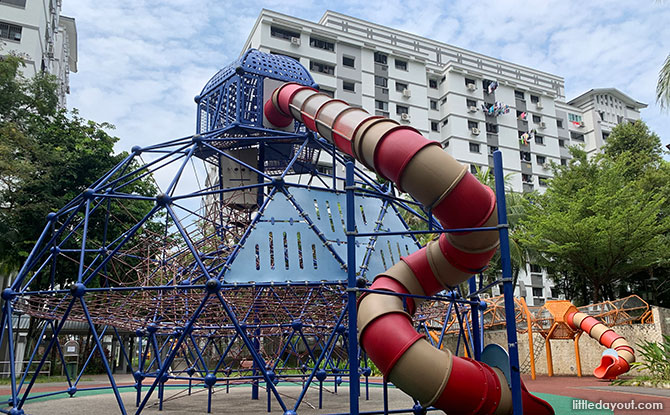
(458, 200)
(618, 356)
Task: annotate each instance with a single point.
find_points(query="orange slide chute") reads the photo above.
(617, 359)
(457, 199)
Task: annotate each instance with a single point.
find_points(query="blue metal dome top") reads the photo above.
(253, 61)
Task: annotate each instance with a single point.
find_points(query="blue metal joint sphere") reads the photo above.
(290, 412)
(139, 333)
(88, 193)
(152, 328)
(72, 390)
(139, 376)
(418, 410)
(321, 375)
(210, 379)
(483, 305)
(137, 150)
(78, 290)
(51, 216)
(163, 199)
(296, 325)
(8, 294)
(16, 411)
(213, 286)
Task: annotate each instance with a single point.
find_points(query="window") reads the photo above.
(537, 292)
(20, 3)
(606, 135)
(539, 139)
(474, 147)
(527, 178)
(537, 119)
(445, 121)
(283, 33)
(382, 105)
(473, 169)
(555, 292)
(401, 109)
(400, 64)
(542, 181)
(535, 268)
(328, 92)
(321, 44)
(321, 68)
(561, 143)
(524, 155)
(491, 128)
(434, 126)
(574, 118)
(432, 83)
(534, 99)
(400, 86)
(519, 95)
(469, 81)
(540, 159)
(445, 144)
(492, 149)
(564, 162)
(10, 31)
(576, 136)
(381, 81)
(349, 86)
(381, 58)
(473, 124)
(348, 61)
(559, 123)
(471, 103)
(433, 104)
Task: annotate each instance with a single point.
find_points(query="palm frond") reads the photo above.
(663, 86)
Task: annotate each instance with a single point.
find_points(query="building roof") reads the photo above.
(71, 29)
(587, 96)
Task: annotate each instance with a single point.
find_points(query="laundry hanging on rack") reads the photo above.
(493, 85)
(496, 109)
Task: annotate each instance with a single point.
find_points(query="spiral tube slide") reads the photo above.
(616, 360)
(457, 199)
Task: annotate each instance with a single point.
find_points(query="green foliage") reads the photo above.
(600, 220)
(655, 358)
(47, 158)
(663, 85)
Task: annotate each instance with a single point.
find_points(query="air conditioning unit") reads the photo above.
(404, 117)
(472, 108)
(542, 125)
(474, 130)
(472, 87)
(539, 105)
(581, 123)
(406, 93)
(295, 41)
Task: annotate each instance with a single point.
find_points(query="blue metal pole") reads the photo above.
(477, 343)
(10, 344)
(508, 287)
(351, 291)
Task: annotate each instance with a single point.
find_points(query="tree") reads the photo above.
(663, 85)
(48, 157)
(598, 222)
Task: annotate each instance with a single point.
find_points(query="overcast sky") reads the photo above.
(141, 62)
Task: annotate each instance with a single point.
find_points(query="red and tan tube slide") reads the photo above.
(617, 359)
(420, 167)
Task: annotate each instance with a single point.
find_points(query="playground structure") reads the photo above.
(558, 320)
(251, 274)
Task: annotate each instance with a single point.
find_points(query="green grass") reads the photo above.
(41, 379)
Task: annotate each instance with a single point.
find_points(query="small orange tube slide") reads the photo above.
(617, 359)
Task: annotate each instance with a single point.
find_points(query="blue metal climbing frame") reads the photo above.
(243, 267)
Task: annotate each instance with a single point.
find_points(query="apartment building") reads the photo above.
(471, 103)
(36, 31)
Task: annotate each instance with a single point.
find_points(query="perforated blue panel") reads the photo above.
(283, 247)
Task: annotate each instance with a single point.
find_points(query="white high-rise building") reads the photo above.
(447, 93)
(36, 31)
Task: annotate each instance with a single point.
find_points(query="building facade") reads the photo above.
(471, 103)
(36, 31)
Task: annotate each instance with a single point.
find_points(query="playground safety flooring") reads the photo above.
(560, 391)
